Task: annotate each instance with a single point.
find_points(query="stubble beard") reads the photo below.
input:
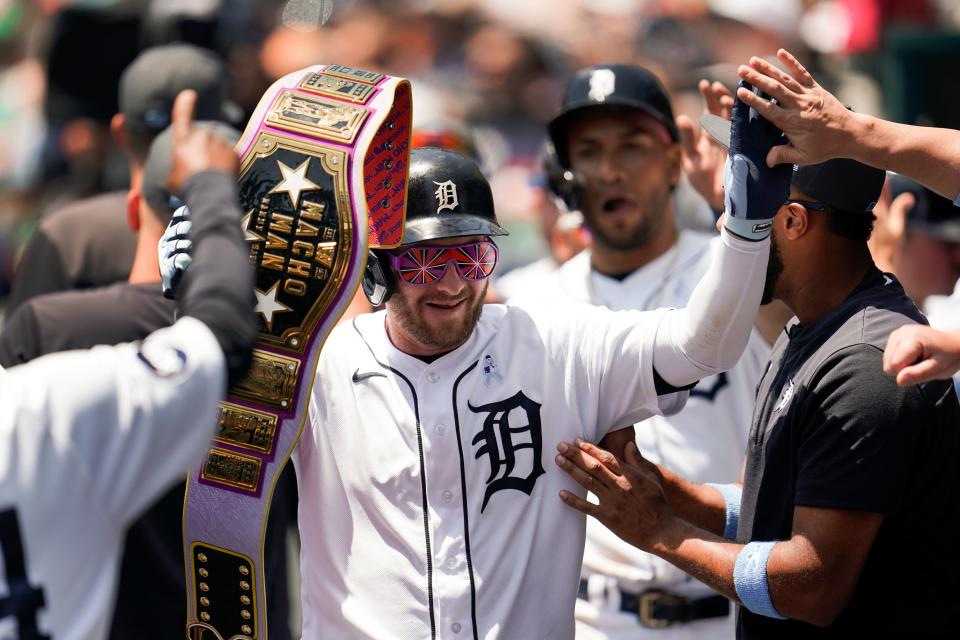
(448, 335)
(646, 228)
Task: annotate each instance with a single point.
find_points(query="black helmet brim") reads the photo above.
(455, 226)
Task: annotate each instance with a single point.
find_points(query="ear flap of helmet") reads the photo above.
(564, 183)
(378, 283)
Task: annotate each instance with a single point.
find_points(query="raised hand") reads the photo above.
(812, 118)
(917, 353)
(753, 192)
(195, 149)
(701, 157)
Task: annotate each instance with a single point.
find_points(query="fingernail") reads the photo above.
(561, 446)
(560, 460)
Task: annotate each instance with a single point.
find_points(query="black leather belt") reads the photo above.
(657, 609)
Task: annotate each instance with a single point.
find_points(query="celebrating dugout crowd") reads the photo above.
(590, 319)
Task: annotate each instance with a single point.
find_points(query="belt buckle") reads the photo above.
(647, 600)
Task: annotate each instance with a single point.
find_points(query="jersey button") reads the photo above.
(452, 563)
(432, 377)
(441, 428)
(455, 627)
(447, 495)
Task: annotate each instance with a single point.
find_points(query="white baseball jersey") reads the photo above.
(704, 442)
(88, 439)
(429, 500)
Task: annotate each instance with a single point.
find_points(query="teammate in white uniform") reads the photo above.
(624, 149)
(88, 439)
(428, 502)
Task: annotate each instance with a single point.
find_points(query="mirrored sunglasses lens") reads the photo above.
(421, 266)
(477, 261)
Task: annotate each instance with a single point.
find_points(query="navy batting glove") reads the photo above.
(175, 251)
(753, 192)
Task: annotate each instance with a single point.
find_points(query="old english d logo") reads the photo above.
(499, 436)
(446, 194)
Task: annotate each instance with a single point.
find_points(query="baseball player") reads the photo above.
(620, 152)
(427, 507)
(91, 438)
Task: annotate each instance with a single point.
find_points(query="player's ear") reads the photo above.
(116, 130)
(675, 165)
(133, 209)
(796, 220)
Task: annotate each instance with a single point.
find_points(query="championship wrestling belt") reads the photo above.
(323, 176)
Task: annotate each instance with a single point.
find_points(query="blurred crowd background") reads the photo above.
(493, 67)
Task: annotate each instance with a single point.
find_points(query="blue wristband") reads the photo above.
(750, 579)
(731, 495)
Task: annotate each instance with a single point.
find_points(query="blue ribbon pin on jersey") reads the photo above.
(490, 371)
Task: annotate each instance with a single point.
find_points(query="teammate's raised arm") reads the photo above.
(711, 332)
(821, 128)
(218, 288)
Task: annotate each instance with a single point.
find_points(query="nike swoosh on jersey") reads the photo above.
(358, 377)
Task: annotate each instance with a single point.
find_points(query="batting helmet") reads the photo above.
(448, 197)
(611, 85)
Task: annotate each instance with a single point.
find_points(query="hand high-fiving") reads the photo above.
(703, 159)
(195, 149)
(810, 116)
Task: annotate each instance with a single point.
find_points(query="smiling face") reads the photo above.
(629, 173)
(429, 319)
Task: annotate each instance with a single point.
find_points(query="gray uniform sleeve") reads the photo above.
(218, 287)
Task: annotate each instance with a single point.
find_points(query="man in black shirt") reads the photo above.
(845, 521)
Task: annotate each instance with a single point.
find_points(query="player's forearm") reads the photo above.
(929, 155)
(218, 288)
(701, 554)
(710, 334)
(698, 504)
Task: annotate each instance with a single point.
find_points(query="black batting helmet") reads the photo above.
(611, 85)
(448, 197)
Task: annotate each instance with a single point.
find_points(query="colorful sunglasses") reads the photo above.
(423, 264)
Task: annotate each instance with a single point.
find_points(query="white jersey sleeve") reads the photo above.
(607, 360)
(132, 418)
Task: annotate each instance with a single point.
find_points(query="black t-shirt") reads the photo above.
(151, 593)
(67, 320)
(831, 430)
(86, 244)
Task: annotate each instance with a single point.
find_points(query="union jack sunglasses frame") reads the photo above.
(424, 264)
